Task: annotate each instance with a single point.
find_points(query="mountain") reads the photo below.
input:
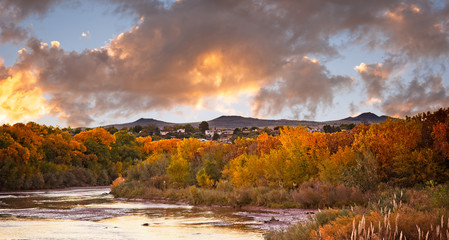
(367, 117)
(142, 122)
(232, 122)
(239, 122)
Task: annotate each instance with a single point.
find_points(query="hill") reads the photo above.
(232, 122)
(142, 122)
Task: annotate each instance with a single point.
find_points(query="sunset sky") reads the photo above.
(98, 62)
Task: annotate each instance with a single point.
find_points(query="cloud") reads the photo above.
(304, 83)
(375, 77)
(426, 94)
(417, 29)
(20, 99)
(194, 50)
(55, 44)
(4, 72)
(13, 12)
(85, 34)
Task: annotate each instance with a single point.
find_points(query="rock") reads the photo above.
(146, 224)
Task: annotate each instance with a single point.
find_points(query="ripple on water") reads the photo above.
(79, 213)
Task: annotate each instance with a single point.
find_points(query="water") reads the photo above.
(92, 213)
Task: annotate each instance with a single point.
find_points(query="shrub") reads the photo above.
(129, 189)
(240, 197)
(440, 196)
(316, 194)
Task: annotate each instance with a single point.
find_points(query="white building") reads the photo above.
(181, 130)
(210, 133)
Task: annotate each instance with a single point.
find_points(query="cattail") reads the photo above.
(353, 224)
(380, 228)
(361, 225)
(396, 225)
(419, 232)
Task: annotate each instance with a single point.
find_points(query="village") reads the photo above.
(206, 134)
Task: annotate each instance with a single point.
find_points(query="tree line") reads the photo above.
(397, 152)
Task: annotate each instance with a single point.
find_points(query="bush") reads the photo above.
(316, 194)
(440, 196)
(303, 231)
(240, 197)
(129, 189)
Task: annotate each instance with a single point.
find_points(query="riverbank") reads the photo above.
(387, 213)
(395, 214)
(310, 195)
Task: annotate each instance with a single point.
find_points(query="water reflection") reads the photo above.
(92, 213)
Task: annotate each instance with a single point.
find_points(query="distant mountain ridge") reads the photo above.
(232, 122)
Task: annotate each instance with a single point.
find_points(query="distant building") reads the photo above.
(211, 133)
(181, 130)
(227, 132)
(165, 132)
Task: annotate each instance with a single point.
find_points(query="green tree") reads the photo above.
(112, 130)
(136, 129)
(204, 126)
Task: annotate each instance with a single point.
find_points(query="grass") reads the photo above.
(388, 213)
(393, 214)
(312, 194)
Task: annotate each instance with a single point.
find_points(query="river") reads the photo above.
(93, 213)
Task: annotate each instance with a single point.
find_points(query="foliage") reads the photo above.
(204, 126)
(295, 168)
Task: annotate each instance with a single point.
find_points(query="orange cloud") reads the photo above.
(20, 100)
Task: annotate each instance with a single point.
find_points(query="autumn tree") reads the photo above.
(389, 141)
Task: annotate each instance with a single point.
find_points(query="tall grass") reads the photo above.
(394, 214)
(312, 194)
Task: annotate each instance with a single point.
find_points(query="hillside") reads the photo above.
(239, 122)
(142, 122)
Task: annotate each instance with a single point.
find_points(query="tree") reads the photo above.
(189, 128)
(112, 130)
(331, 129)
(204, 126)
(136, 129)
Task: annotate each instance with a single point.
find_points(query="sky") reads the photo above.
(92, 63)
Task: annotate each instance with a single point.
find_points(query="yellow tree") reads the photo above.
(238, 172)
(178, 171)
(304, 151)
(388, 141)
(333, 167)
(265, 143)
